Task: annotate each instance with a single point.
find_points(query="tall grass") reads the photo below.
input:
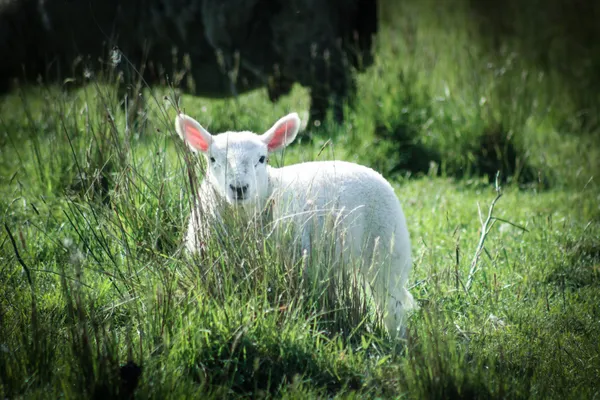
(442, 99)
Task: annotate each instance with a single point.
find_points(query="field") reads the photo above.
(99, 300)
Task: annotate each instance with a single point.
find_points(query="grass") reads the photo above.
(99, 300)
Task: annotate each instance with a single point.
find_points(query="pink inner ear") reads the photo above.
(280, 133)
(194, 137)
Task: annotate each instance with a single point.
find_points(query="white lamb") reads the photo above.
(369, 222)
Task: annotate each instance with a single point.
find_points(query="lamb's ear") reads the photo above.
(192, 133)
(282, 133)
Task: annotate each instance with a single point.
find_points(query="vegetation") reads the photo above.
(99, 300)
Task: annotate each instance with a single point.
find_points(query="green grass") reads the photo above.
(94, 211)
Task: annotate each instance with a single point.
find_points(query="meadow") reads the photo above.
(492, 157)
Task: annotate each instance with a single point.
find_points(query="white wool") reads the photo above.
(368, 220)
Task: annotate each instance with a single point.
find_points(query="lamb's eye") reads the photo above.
(262, 159)
(212, 160)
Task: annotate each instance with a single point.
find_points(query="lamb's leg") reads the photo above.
(306, 241)
(398, 303)
(387, 277)
(193, 243)
(310, 228)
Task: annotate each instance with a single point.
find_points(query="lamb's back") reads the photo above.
(367, 201)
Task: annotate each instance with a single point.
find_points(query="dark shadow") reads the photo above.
(497, 153)
(249, 367)
(582, 268)
(405, 149)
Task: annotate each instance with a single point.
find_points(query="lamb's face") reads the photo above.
(237, 161)
(238, 167)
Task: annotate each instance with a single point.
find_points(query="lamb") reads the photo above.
(370, 225)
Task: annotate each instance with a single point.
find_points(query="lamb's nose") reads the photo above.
(239, 192)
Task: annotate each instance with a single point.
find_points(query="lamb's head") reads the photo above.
(237, 161)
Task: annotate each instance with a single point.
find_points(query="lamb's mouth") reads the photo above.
(238, 193)
(238, 200)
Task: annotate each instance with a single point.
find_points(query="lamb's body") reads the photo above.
(369, 222)
(315, 198)
(361, 201)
